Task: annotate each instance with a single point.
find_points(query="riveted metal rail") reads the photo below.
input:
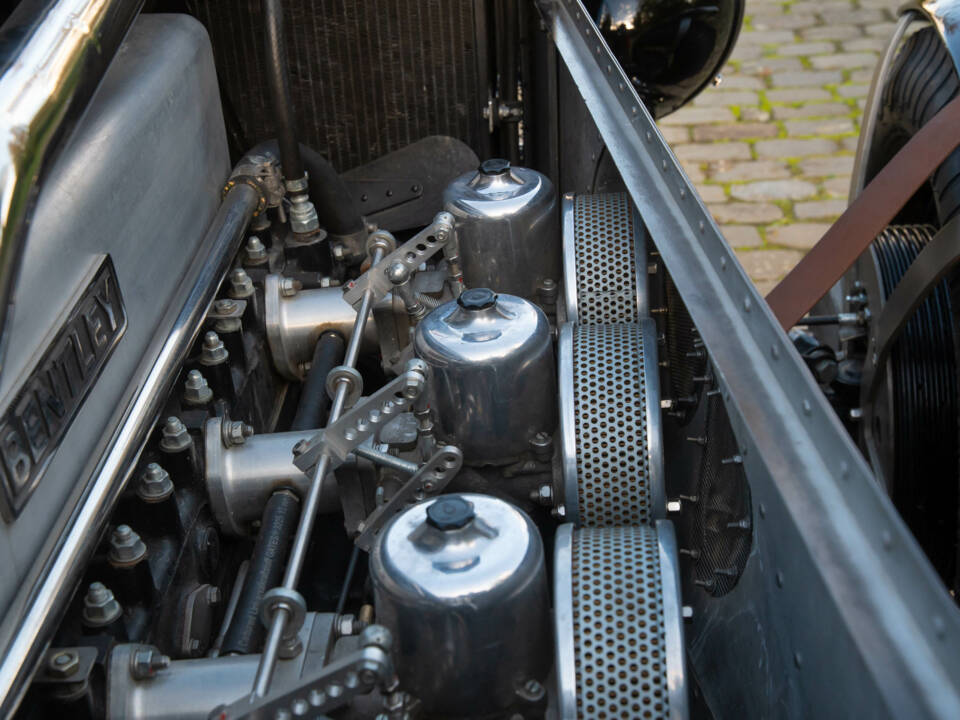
(838, 607)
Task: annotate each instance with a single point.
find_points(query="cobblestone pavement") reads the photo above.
(771, 148)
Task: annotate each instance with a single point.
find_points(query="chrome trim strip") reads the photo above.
(672, 621)
(35, 611)
(566, 659)
(865, 578)
(44, 91)
(568, 425)
(640, 262)
(651, 383)
(569, 239)
(871, 110)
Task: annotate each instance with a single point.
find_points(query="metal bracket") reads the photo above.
(429, 480)
(327, 689)
(417, 250)
(362, 421)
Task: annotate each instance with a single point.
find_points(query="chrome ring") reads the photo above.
(345, 373)
(289, 600)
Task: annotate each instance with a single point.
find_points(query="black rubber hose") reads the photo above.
(314, 399)
(269, 553)
(278, 78)
(329, 194)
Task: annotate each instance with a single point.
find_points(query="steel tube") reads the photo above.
(301, 540)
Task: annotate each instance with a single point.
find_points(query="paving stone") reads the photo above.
(849, 143)
(853, 17)
(853, 91)
(794, 148)
(748, 213)
(792, 189)
(812, 110)
(838, 186)
(822, 166)
(712, 193)
(822, 126)
(809, 78)
(832, 32)
(799, 236)
(745, 52)
(819, 209)
(741, 236)
(793, 21)
(713, 98)
(754, 114)
(806, 48)
(675, 134)
(795, 95)
(844, 61)
(875, 43)
(881, 29)
(749, 170)
(863, 75)
(740, 82)
(697, 116)
(767, 37)
(768, 264)
(693, 171)
(764, 286)
(768, 65)
(705, 152)
(818, 6)
(734, 131)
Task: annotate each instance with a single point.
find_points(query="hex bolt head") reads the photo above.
(236, 432)
(241, 286)
(196, 391)
(145, 661)
(224, 306)
(255, 251)
(213, 351)
(100, 608)
(174, 436)
(155, 484)
(290, 287)
(413, 385)
(126, 547)
(377, 635)
(63, 664)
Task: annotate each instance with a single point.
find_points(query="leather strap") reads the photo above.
(866, 218)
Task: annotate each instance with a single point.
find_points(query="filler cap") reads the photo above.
(450, 513)
(494, 166)
(477, 299)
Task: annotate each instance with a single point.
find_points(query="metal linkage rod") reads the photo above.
(268, 660)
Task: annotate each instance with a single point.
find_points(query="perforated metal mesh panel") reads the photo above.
(618, 624)
(610, 401)
(604, 234)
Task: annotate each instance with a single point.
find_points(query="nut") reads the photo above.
(126, 547)
(289, 287)
(303, 215)
(145, 661)
(155, 484)
(413, 385)
(255, 250)
(236, 432)
(63, 664)
(213, 351)
(347, 625)
(241, 286)
(378, 636)
(175, 437)
(196, 391)
(99, 606)
(224, 306)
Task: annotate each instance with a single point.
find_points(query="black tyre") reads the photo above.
(925, 422)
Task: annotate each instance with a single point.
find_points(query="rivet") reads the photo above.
(779, 578)
(763, 510)
(807, 408)
(747, 303)
(703, 226)
(723, 263)
(939, 627)
(887, 539)
(797, 659)
(775, 352)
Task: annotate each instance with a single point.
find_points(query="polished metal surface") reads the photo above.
(474, 595)
(670, 594)
(884, 627)
(622, 660)
(610, 424)
(871, 110)
(565, 658)
(507, 228)
(60, 58)
(241, 478)
(605, 259)
(493, 381)
(97, 202)
(295, 323)
(190, 689)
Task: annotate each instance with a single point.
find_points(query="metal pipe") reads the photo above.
(386, 459)
(26, 634)
(59, 59)
(305, 529)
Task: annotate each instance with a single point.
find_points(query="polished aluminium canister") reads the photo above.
(507, 229)
(461, 583)
(493, 379)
